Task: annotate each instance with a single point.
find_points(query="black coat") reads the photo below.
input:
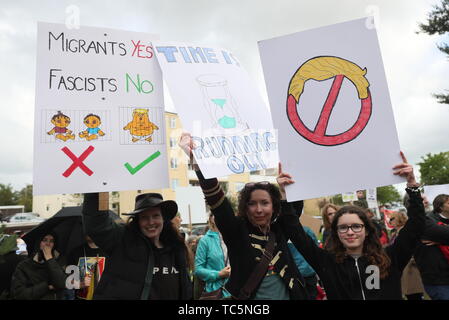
(242, 255)
(8, 264)
(431, 262)
(346, 280)
(31, 280)
(128, 272)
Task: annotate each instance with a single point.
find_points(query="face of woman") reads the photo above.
(260, 208)
(351, 240)
(47, 241)
(151, 223)
(330, 214)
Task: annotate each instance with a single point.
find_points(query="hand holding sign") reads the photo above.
(405, 170)
(283, 179)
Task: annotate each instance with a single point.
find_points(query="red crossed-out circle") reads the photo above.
(319, 136)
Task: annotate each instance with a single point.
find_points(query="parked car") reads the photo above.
(26, 217)
(199, 230)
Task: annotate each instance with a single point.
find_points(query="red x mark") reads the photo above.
(77, 162)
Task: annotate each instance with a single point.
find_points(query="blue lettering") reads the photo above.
(216, 152)
(168, 53)
(270, 145)
(251, 166)
(210, 55)
(235, 165)
(200, 148)
(226, 146)
(226, 57)
(185, 55)
(194, 52)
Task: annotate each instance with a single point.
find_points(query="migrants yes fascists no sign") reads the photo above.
(329, 99)
(99, 114)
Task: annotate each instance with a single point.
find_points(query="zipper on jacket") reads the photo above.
(360, 278)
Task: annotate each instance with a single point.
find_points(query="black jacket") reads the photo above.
(353, 279)
(243, 257)
(129, 270)
(431, 262)
(31, 280)
(8, 264)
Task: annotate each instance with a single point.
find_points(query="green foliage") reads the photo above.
(337, 199)
(25, 197)
(387, 194)
(7, 195)
(434, 168)
(438, 22)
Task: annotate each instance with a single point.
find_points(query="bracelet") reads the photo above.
(413, 189)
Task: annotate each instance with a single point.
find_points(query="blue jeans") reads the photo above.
(437, 292)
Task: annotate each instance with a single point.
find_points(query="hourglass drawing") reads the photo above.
(220, 104)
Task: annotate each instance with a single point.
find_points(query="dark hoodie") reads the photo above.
(8, 263)
(33, 276)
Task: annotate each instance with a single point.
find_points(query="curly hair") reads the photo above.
(245, 196)
(372, 248)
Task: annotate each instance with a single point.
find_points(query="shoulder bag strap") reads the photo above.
(260, 270)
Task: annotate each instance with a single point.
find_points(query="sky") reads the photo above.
(415, 68)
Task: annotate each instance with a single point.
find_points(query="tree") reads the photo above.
(434, 168)
(25, 197)
(387, 194)
(7, 195)
(438, 22)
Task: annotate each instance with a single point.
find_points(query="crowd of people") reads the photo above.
(261, 251)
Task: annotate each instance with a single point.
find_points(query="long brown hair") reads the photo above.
(326, 221)
(372, 248)
(170, 235)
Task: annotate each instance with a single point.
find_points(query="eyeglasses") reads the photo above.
(356, 227)
(261, 183)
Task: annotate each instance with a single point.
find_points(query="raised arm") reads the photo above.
(221, 208)
(291, 225)
(404, 246)
(99, 225)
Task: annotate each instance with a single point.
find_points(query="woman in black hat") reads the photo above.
(147, 258)
(262, 266)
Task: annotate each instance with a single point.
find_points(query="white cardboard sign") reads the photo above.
(99, 114)
(330, 103)
(191, 205)
(349, 196)
(432, 191)
(219, 105)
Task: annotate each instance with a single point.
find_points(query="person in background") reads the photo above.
(211, 260)
(327, 213)
(304, 268)
(91, 261)
(9, 260)
(411, 283)
(41, 276)
(432, 254)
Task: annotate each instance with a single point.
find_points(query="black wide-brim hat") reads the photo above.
(145, 201)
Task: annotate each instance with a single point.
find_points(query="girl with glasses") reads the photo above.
(354, 265)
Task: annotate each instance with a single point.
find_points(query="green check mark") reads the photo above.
(142, 164)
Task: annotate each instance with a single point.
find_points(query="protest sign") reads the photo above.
(349, 196)
(99, 112)
(191, 205)
(219, 105)
(432, 191)
(330, 102)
